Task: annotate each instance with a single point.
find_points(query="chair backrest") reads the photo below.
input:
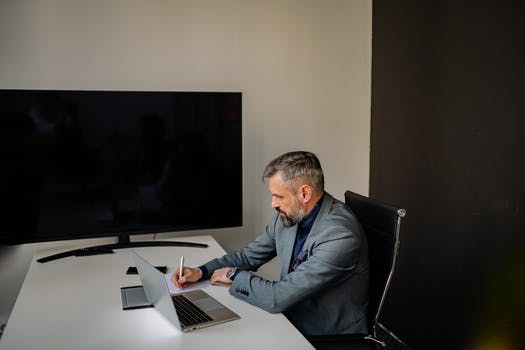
(381, 223)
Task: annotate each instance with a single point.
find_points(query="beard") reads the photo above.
(296, 215)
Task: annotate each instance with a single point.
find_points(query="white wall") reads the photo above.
(303, 67)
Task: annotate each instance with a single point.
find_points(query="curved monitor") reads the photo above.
(81, 164)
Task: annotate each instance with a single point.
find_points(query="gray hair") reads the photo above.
(296, 166)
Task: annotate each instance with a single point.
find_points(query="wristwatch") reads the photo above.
(231, 271)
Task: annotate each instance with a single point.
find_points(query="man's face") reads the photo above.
(286, 202)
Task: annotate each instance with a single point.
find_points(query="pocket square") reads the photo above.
(301, 258)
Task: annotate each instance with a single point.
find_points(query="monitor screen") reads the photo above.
(80, 164)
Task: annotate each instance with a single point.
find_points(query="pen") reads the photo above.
(181, 266)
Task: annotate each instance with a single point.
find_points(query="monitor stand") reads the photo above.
(123, 242)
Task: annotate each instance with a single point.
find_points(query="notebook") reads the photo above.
(187, 310)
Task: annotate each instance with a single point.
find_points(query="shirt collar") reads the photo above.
(307, 222)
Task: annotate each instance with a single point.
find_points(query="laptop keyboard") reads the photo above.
(188, 313)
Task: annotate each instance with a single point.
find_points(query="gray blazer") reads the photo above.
(327, 293)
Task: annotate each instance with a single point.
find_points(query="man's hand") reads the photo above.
(219, 276)
(189, 275)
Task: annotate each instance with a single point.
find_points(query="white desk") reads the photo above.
(75, 303)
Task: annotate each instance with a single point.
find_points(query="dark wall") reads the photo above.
(448, 144)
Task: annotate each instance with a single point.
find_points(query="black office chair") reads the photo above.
(381, 223)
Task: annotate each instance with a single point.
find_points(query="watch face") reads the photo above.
(230, 272)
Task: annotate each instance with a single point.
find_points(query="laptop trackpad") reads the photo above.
(207, 304)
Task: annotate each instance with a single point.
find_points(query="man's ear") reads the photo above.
(306, 193)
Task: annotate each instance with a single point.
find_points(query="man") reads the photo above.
(322, 252)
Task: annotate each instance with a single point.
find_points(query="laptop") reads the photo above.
(187, 310)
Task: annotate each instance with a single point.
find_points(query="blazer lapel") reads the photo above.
(288, 235)
(325, 207)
